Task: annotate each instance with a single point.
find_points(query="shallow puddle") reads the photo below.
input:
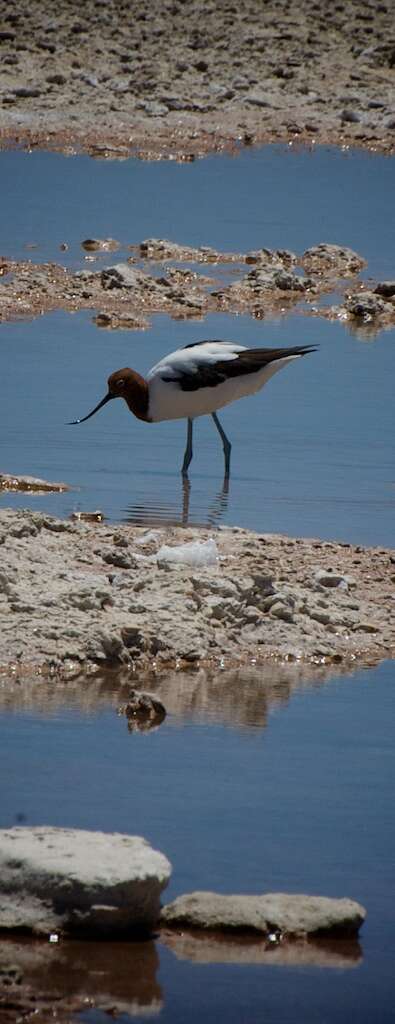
(255, 781)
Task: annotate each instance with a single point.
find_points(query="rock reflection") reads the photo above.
(366, 330)
(201, 948)
(238, 698)
(92, 972)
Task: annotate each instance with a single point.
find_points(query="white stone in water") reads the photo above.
(196, 553)
(288, 913)
(59, 879)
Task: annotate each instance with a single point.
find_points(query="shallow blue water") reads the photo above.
(302, 802)
(313, 453)
(277, 197)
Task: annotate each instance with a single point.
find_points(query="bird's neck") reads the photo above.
(137, 397)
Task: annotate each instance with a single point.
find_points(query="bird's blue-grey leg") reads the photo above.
(225, 442)
(188, 451)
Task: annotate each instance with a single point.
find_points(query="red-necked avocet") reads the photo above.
(196, 381)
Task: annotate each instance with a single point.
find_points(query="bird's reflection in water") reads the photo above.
(153, 513)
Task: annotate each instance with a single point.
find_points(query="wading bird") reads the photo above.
(196, 381)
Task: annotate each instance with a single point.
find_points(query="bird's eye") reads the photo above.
(120, 383)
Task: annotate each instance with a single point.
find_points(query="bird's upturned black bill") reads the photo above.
(104, 401)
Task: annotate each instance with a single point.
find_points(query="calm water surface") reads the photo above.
(295, 793)
(278, 196)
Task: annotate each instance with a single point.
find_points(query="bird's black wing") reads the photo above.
(249, 360)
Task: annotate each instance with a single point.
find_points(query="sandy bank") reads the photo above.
(82, 595)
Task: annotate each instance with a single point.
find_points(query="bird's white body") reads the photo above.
(167, 401)
(196, 381)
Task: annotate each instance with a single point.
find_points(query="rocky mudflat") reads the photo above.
(78, 595)
(262, 283)
(185, 79)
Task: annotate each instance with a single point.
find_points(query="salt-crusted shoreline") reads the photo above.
(181, 80)
(75, 596)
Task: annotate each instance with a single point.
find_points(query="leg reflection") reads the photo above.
(216, 510)
(186, 490)
(176, 512)
(219, 505)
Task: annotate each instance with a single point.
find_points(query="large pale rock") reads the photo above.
(68, 879)
(282, 912)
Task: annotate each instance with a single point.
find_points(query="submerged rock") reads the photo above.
(100, 244)
(54, 879)
(143, 711)
(282, 913)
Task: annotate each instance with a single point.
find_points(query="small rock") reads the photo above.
(258, 99)
(121, 275)
(90, 80)
(366, 627)
(365, 304)
(26, 91)
(319, 616)
(328, 578)
(385, 288)
(100, 244)
(119, 559)
(119, 322)
(143, 710)
(176, 103)
(153, 108)
(56, 79)
(281, 611)
(350, 116)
